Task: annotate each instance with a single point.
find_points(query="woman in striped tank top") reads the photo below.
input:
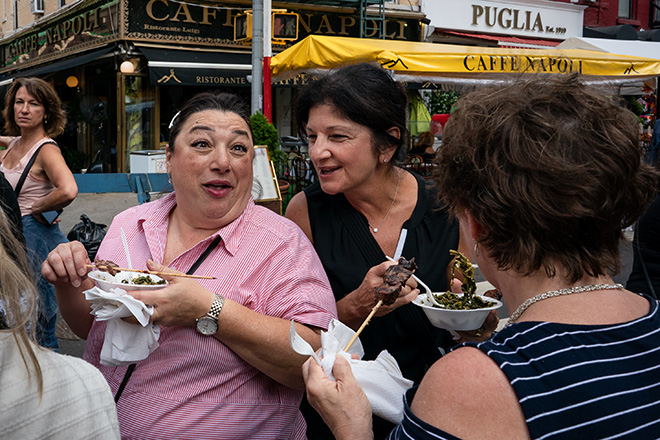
(542, 174)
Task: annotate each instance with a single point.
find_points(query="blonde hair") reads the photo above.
(18, 295)
(425, 139)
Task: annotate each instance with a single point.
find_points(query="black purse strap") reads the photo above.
(193, 268)
(24, 175)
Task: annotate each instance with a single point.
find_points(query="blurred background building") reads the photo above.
(124, 67)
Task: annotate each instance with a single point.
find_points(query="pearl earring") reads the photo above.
(384, 160)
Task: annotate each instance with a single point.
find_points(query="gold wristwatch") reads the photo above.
(208, 324)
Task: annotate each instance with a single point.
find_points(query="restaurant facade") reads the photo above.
(123, 68)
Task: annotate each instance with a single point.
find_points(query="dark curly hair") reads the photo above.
(365, 94)
(43, 92)
(551, 169)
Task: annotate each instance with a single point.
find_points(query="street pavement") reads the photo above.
(101, 208)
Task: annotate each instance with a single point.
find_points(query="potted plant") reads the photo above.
(265, 133)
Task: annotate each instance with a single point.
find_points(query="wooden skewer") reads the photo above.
(364, 324)
(153, 272)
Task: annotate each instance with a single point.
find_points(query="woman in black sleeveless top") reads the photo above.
(364, 208)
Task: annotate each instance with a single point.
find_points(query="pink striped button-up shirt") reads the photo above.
(193, 386)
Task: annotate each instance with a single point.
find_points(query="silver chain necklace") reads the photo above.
(568, 291)
(390, 209)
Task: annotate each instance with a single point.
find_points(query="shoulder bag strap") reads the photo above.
(191, 271)
(21, 181)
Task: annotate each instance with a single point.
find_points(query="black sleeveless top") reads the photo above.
(348, 250)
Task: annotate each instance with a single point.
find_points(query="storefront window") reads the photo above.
(138, 117)
(625, 9)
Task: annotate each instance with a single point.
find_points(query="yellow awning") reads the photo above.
(446, 63)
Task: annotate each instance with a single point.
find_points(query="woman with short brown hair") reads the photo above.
(542, 175)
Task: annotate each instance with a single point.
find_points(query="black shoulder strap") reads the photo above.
(204, 255)
(21, 181)
(193, 268)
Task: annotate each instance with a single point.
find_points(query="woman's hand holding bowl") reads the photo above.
(484, 332)
(180, 303)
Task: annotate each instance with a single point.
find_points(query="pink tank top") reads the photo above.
(33, 189)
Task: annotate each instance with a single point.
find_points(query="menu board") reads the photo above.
(264, 186)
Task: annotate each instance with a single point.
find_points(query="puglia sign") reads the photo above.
(512, 19)
(520, 18)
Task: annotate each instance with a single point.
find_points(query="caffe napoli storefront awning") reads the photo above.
(197, 68)
(454, 64)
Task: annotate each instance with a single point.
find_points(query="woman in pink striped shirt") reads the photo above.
(224, 368)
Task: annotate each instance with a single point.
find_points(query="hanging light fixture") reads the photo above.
(127, 67)
(72, 81)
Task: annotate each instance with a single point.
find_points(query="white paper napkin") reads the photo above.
(381, 379)
(124, 343)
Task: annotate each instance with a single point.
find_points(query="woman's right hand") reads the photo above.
(66, 264)
(354, 307)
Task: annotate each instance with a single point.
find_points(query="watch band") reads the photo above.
(216, 307)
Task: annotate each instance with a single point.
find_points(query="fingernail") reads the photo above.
(76, 283)
(82, 271)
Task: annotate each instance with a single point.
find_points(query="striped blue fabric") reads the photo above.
(575, 381)
(412, 428)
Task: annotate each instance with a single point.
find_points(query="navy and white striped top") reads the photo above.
(575, 381)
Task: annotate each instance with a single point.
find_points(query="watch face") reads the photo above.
(207, 326)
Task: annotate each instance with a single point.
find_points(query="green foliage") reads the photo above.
(265, 133)
(442, 102)
(278, 156)
(633, 105)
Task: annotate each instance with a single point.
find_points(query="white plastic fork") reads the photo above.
(429, 294)
(301, 346)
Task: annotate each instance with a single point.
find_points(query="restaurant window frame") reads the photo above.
(625, 9)
(149, 100)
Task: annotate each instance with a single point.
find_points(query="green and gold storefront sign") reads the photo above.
(91, 25)
(212, 23)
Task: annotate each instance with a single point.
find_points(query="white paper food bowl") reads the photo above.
(461, 320)
(105, 281)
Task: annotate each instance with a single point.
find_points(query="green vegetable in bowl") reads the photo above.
(452, 301)
(143, 280)
(469, 300)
